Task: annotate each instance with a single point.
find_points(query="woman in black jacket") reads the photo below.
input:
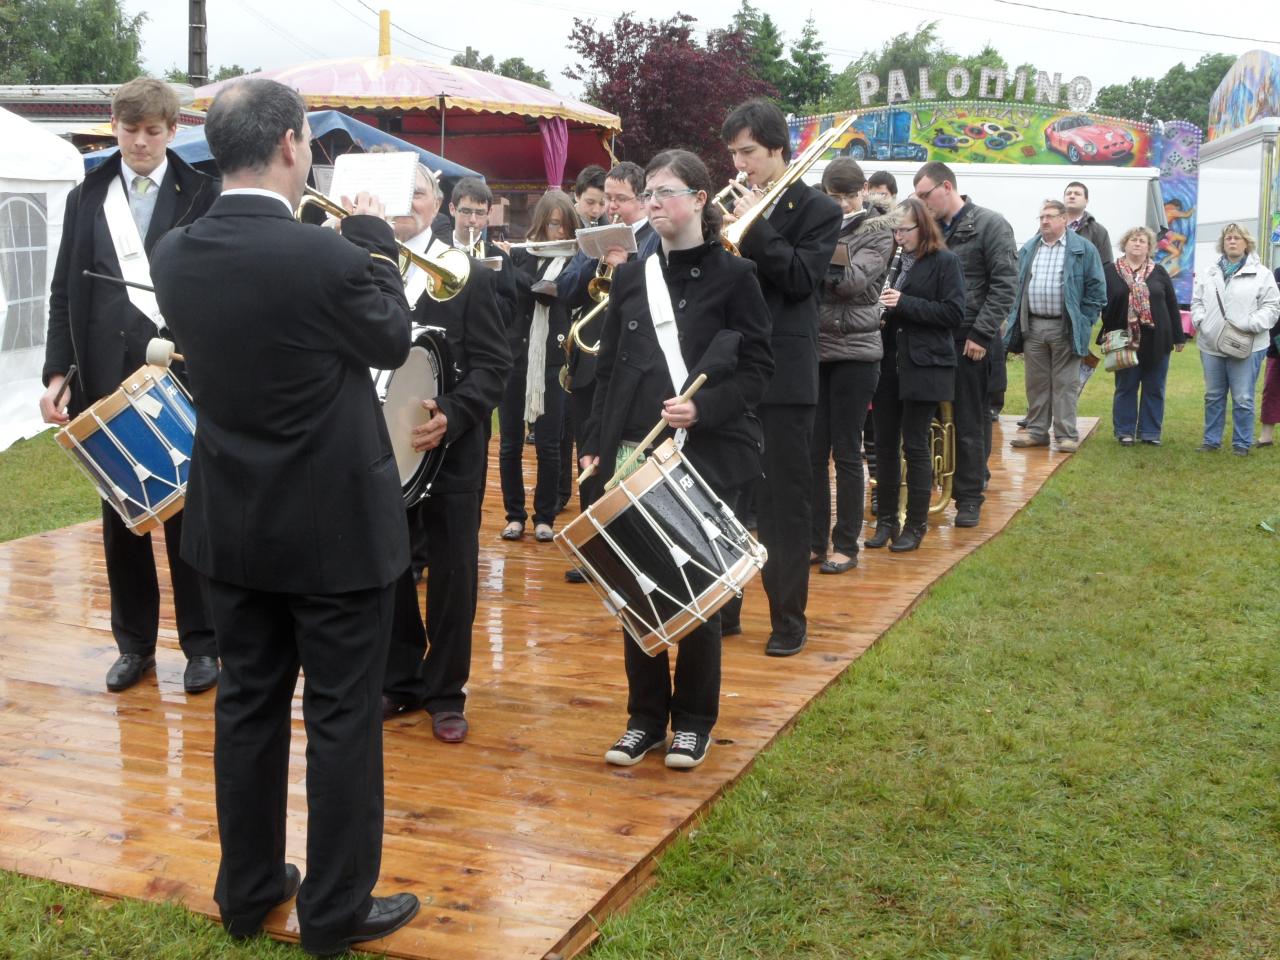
(722, 327)
(533, 394)
(923, 308)
(1140, 299)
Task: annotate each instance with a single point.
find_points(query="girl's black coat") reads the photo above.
(919, 332)
(723, 325)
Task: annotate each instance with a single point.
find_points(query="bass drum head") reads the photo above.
(420, 377)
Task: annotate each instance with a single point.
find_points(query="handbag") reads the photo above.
(1118, 351)
(1231, 341)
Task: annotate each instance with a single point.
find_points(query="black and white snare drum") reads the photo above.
(662, 550)
(425, 375)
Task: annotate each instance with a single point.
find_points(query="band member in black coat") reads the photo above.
(791, 246)
(96, 327)
(622, 188)
(712, 293)
(294, 513)
(923, 309)
(533, 393)
(445, 527)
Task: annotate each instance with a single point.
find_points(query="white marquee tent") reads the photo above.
(37, 170)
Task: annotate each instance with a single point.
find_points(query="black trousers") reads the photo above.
(546, 434)
(904, 422)
(692, 704)
(845, 388)
(784, 518)
(135, 590)
(972, 411)
(580, 401)
(340, 641)
(446, 527)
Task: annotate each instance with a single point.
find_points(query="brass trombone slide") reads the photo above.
(448, 270)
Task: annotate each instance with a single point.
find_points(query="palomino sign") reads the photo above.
(992, 84)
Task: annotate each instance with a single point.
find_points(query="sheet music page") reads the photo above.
(596, 241)
(387, 176)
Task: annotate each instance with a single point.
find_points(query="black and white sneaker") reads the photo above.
(687, 750)
(632, 746)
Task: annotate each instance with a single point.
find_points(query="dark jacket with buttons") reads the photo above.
(983, 240)
(919, 332)
(723, 326)
(528, 271)
(792, 251)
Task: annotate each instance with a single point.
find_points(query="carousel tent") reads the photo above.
(521, 136)
(37, 171)
(1250, 91)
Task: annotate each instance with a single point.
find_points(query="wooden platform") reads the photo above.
(518, 842)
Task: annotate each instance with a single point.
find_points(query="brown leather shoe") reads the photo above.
(449, 726)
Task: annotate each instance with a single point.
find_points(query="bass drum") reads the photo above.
(425, 375)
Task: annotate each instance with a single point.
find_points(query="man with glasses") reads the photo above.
(1061, 291)
(622, 204)
(983, 240)
(791, 244)
(469, 207)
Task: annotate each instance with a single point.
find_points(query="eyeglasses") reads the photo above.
(905, 229)
(925, 195)
(472, 212)
(617, 198)
(663, 194)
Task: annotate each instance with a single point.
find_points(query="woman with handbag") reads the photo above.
(1233, 307)
(1142, 309)
(923, 308)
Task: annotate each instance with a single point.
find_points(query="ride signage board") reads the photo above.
(992, 84)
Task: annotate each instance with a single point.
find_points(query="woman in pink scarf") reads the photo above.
(1140, 299)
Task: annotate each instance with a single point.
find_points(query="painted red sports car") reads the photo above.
(1082, 140)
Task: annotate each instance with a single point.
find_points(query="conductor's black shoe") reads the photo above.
(201, 674)
(780, 645)
(632, 746)
(574, 575)
(687, 750)
(128, 670)
(386, 916)
(242, 928)
(968, 514)
(392, 708)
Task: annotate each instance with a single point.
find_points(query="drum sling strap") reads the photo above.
(664, 325)
(130, 252)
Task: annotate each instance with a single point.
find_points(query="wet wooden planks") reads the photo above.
(518, 841)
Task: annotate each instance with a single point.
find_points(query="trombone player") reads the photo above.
(791, 244)
(445, 527)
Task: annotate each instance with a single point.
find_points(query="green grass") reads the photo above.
(1071, 749)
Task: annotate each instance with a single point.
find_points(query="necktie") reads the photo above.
(141, 185)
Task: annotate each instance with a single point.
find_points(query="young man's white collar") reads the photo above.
(635, 227)
(258, 192)
(156, 176)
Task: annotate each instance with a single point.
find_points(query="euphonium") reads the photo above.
(942, 455)
(731, 236)
(448, 270)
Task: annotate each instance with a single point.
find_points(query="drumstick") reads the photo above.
(66, 385)
(661, 425)
(127, 283)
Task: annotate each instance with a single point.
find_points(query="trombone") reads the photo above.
(731, 236)
(447, 270)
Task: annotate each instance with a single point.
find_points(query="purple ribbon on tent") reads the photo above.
(555, 148)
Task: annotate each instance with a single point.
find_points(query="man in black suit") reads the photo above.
(294, 513)
(103, 329)
(791, 245)
(446, 526)
(622, 188)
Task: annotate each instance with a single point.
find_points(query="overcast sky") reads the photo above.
(267, 35)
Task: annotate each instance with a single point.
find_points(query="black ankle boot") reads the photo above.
(910, 537)
(886, 530)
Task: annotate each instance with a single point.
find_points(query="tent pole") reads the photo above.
(442, 124)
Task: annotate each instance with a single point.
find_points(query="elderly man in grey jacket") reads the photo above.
(1060, 294)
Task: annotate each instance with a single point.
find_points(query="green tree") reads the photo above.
(174, 75)
(808, 75)
(513, 67)
(1181, 94)
(765, 42)
(68, 41)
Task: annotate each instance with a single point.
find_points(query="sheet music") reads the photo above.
(595, 242)
(388, 176)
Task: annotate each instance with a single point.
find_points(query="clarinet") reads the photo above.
(895, 267)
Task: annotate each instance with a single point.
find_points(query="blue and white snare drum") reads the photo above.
(426, 374)
(663, 552)
(135, 446)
